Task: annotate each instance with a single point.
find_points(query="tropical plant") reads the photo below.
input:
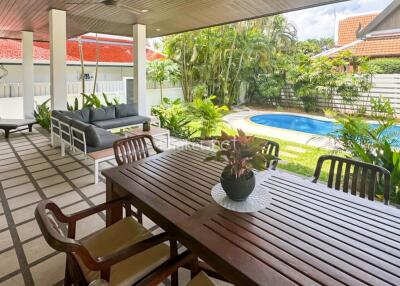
(42, 115)
(373, 143)
(174, 116)
(241, 153)
(225, 57)
(207, 115)
(93, 100)
(73, 107)
(161, 71)
(324, 76)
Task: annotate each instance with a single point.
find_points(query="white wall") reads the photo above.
(42, 73)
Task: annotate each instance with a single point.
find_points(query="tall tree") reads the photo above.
(224, 57)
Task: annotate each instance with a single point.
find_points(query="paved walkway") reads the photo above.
(241, 120)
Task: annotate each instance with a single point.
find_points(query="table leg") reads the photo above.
(6, 132)
(113, 214)
(30, 127)
(96, 171)
(168, 140)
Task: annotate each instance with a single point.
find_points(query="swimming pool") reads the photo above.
(300, 123)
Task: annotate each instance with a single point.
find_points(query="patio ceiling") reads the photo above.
(163, 17)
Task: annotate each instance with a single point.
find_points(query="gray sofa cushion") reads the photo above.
(121, 122)
(91, 134)
(56, 114)
(103, 113)
(107, 141)
(81, 115)
(125, 110)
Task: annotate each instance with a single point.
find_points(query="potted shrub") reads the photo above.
(242, 154)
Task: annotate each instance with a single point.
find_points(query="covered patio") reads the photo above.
(301, 242)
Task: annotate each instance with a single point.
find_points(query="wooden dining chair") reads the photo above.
(121, 254)
(131, 149)
(199, 278)
(271, 148)
(358, 178)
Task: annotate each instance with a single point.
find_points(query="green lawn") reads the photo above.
(299, 158)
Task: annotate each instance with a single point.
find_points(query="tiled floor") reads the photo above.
(30, 171)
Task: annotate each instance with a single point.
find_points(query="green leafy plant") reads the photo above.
(385, 65)
(241, 153)
(73, 107)
(373, 143)
(175, 116)
(43, 115)
(161, 71)
(208, 115)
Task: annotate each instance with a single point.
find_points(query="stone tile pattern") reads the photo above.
(31, 171)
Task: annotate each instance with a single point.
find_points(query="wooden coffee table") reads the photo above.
(9, 124)
(154, 132)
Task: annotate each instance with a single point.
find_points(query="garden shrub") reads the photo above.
(373, 144)
(385, 65)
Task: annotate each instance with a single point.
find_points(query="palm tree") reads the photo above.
(161, 71)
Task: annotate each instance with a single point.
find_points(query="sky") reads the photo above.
(320, 22)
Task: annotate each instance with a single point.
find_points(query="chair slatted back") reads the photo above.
(271, 148)
(355, 177)
(131, 149)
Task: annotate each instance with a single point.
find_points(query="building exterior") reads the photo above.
(374, 35)
(115, 60)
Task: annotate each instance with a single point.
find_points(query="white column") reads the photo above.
(139, 68)
(58, 66)
(27, 73)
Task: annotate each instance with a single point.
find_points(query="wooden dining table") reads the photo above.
(307, 235)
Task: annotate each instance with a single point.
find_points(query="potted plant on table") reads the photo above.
(242, 154)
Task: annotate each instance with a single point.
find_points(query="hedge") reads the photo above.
(385, 65)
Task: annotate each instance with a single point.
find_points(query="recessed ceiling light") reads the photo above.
(144, 11)
(158, 30)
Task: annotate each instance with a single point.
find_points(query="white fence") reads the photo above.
(384, 85)
(12, 106)
(73, 88)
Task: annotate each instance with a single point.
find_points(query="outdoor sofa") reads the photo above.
(87, 129)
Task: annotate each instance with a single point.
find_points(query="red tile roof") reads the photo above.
(110, 50)
(348, 28)
(376, 47)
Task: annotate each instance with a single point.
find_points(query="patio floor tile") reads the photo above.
(15, 181)
(5, 240)
(36, 249)
(19, 190)
(49, 181)
(44, 173)
(24, 214)
(8, 262)
(28, 230)
(50, 271)
(13, 281)
(23, 200)
(57, 189)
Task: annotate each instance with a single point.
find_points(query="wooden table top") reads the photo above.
(154, 131)
(309, 235)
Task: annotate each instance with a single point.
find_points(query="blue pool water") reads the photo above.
(300, 123)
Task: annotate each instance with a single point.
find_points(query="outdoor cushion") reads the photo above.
(103, 113)
(56, 114)
(91, 135)
(121, 122)
(81, 115)
(106, 141)
(125, 110)
(122, 234)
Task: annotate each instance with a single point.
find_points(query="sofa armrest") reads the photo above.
(82, 140)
